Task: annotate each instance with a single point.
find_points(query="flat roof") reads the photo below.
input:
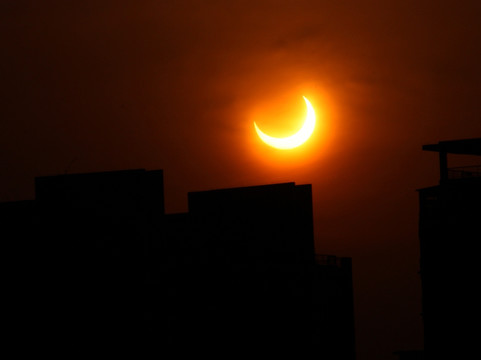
(464, 147)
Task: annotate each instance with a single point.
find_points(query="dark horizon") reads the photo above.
(115, 223)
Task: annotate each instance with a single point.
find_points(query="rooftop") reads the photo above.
(464, 147)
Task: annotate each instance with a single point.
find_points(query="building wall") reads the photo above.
(449, 230)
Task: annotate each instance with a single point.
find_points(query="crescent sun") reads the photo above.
(296, 139)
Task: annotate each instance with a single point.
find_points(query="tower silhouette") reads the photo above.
(449, 228)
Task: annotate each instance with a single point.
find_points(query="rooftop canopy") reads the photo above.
(465, 147)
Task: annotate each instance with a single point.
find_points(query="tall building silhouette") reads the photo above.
(247, 255)
(237, 271)
(449, 229)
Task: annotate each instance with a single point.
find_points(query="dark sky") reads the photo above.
(107, 85)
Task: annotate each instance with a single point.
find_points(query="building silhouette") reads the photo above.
(449, 228)
(410, 355)
(237, 271)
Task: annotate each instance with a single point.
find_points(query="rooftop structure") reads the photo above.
(463, 147)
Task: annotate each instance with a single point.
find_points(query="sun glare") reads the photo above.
(295, 140)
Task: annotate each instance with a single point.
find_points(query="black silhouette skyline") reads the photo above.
(237, 271)
(106, 86)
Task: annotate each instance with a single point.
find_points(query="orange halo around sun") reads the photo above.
(295, 140)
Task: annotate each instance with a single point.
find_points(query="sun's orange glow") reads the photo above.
(282, 114)
(295, 140)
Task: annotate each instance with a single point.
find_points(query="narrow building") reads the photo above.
(449, 231)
